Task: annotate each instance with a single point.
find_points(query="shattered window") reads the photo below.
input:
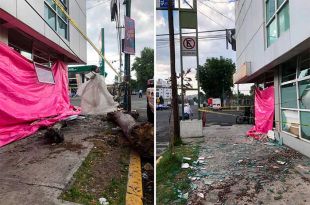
(44, 74)
(304, 94)
(305, 125)
(289, 96)
(290, 122)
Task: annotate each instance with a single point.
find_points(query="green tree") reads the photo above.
(216, 77)
(134, 85)
(144, 67)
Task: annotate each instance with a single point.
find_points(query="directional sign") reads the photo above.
(189, 46)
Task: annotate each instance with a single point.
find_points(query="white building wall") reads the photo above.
(77, 10)
(251, 38)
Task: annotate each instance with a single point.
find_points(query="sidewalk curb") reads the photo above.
(134, 192)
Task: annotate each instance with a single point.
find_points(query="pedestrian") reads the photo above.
(161, 100)
(187, 111)
(140, 93)
(204, 115)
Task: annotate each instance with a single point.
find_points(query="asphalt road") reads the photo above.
(162, 124)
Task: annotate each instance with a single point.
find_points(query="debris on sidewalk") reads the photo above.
(103, 201)
(243, 174)
(185, 166)
(148, 167)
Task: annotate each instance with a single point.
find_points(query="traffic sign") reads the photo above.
(189, 46)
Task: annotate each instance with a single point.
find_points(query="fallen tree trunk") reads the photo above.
(140, 135)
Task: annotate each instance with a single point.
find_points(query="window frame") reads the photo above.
(298, 109)
(65, 21)
(44, 67)
(273, 17)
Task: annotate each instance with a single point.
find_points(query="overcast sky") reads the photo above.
(98, 16)
(208, 19)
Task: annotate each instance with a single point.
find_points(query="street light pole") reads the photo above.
(175, 106)
(127, 66)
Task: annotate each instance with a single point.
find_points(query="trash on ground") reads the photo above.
(185, 166)
(281, 162)
(187, 158)
(201, 195)
(148, 167)
(103, 201)
(183, 196)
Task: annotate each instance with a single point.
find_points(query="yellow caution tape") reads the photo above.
(134, 193)
(277, 121)
(74, 24)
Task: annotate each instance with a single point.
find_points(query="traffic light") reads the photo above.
(231, 38)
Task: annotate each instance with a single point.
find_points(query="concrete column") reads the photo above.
(4, 35)
(277, 98)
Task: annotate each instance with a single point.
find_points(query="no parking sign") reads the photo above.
(189, 46)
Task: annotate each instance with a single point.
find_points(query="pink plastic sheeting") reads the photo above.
(25, 103)
(264, 112)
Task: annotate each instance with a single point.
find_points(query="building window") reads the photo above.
(44, 74)
(56, 19)
(295, 96)
(277, 19)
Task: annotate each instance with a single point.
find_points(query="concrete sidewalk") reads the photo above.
(36, 172)
(234, 169)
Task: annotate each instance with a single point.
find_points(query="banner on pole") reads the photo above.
(189, 46)
(129, 41)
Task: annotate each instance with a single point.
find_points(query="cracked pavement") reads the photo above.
(36, 172)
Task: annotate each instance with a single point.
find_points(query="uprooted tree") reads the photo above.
(139, 135)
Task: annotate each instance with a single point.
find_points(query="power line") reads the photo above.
(98, 4)
(216, 10)
(208, 31)
(219, 2)
(210, 18)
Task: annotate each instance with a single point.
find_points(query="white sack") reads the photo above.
(95, 97)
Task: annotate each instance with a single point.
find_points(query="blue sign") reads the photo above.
(164, 4)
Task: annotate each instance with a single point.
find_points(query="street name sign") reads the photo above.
(163, 4)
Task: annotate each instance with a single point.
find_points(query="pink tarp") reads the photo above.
(25, 103)
(264, 112)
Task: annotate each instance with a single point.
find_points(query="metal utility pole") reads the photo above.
(175, 106)
(238, 97)
(181, 66)
(127, 67)
(102, 66)
(197, 62)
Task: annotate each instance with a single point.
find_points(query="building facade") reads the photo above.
(273, 48)
(41, 32)
(163, 88)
